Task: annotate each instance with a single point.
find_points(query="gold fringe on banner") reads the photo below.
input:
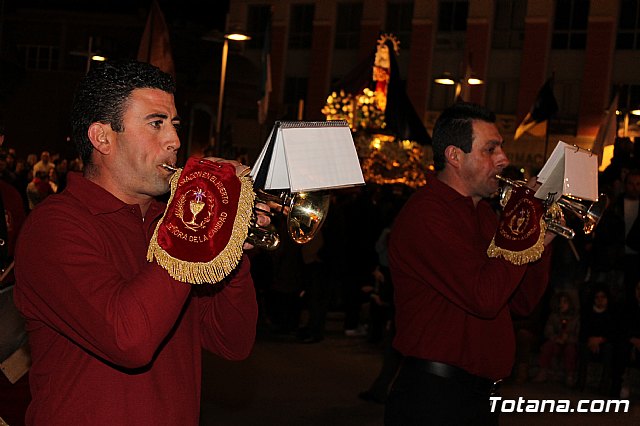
(227, 260)
(522, 257)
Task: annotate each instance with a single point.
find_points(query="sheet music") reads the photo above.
(278, 177)
(311, 156)
(580, 174)
(552, 163)
(320, 158)
(569, 171)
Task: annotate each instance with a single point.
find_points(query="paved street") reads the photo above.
(289, 384)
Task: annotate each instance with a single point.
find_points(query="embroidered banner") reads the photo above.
(200, 236)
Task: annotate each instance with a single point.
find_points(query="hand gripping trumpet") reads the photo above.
(589, 213)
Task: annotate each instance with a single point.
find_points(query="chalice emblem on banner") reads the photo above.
(198, 200)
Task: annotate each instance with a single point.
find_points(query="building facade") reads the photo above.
(590, 47)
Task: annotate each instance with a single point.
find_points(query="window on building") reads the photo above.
(452, 15)
(629, 25)
(295, 90)
(570, 24)
(257, 17)
(567, 94)
(502, 96)
(301, 26)
(399, 17)
(508, 28)
(349, 16)
(452, 24)
(629, 98)
(38, 57)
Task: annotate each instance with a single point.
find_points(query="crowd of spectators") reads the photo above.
(36, 177)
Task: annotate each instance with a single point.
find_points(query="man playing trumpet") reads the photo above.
(115, 339)
(453, 298)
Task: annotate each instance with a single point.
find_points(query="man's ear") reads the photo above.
(99, 135)
(451, 155)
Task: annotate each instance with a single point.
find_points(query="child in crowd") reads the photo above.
(561, 333)
(599, 341)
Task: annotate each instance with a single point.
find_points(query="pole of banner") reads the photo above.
(223, 74)
(546, 138)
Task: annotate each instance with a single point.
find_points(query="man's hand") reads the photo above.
(262, 219)
(241, 169)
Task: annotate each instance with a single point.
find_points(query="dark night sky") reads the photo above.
(209, 13)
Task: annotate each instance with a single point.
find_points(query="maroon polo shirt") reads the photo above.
(114, 339)
(452, 301)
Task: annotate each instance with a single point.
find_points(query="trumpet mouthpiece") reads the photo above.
(169, 167)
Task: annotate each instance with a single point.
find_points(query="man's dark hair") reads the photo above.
(455, 127)
(103, 93)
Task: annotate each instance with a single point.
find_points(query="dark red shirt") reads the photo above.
(452, 301)
(114, 339)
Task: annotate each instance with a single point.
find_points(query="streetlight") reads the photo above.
(235, 36)
(626, 119)
(448, 80)
(90, 54)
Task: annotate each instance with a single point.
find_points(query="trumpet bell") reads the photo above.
(589, 214)
(305, 211)
(308, 211)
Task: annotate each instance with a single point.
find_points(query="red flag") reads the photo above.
(608, 130)
(155, 47)
(265, 84)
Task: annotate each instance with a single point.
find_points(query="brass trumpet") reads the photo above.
(589, 214)
(305, 211)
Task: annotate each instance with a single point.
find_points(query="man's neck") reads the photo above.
(92, 174)
(452, 180)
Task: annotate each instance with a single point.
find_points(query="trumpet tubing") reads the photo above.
(590, 215)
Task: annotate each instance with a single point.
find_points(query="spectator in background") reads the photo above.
(32, 159)
(45, 164)
(599, 332)
(630, 345)
(615, 254)
(561, 333)
(6, 174)
(22, 180)
(38, 189)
